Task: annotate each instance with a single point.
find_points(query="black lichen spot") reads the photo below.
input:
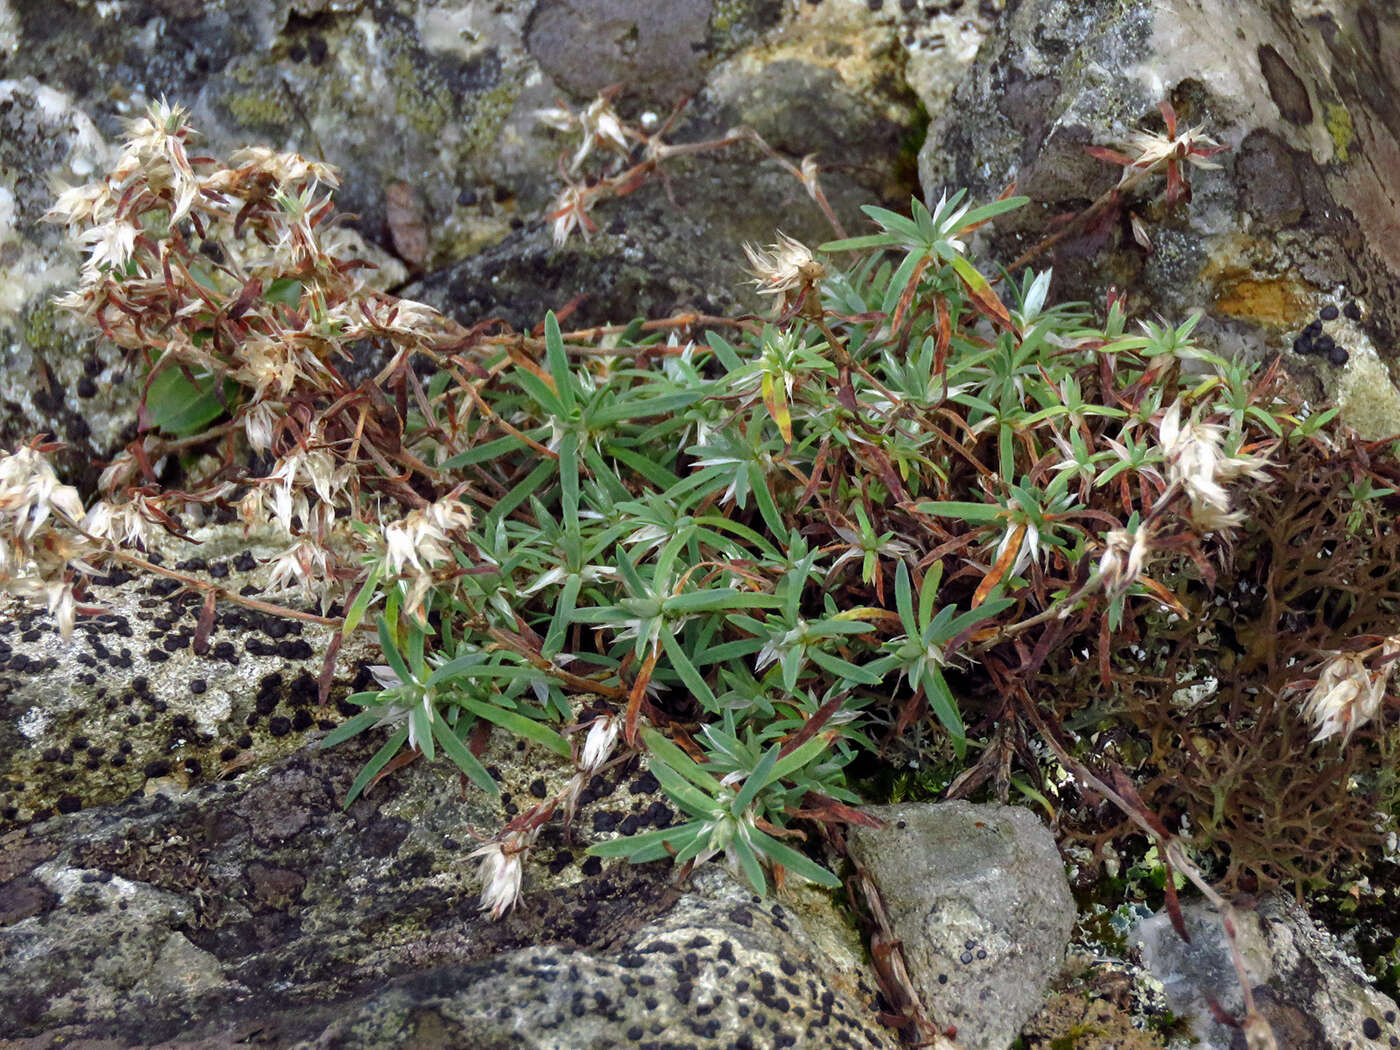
(592, 866)
(159, 768)
(279, 726)
(69, 803)
(1371, 1027)
(1352, 311)
(1328, 313)
(295, 650)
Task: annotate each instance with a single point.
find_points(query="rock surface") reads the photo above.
(1302, 212)
(1313, 996)
(256, 904)
(977, 896)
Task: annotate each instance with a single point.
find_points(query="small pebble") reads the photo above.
(1328, 313)
(1338, 355)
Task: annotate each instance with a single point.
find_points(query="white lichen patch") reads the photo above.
(32, 723)
(9, 29)
(1363, 390)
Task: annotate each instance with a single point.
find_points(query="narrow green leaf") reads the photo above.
(845, 669)
(940, 699)
(756, 781)
(391, 653)
(568, 480)
(974, 512)
(463, 759)
(518, 724)
(749, 862)
(796, 862)
(558, 362)
(658, 745)
(544, 470)
(638, 848)
(376, 763)
(423, 729)
(683, 793)
(904, 598)
(563, 616)
(855, 244)
(689, 675)
(347, 729)
(356, 613)
(482, 453)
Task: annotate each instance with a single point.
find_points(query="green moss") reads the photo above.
(41, 327)
(488, 111)
(1338, 122)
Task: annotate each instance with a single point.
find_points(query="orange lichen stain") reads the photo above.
(1276, 301)
(1238, 273)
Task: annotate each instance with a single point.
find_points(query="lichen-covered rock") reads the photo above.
(1302, 210)
(1312, 994)
(259, 904)
(717, 969)
(126, 705)
(977, 896)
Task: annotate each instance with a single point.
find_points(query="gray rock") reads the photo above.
(978, 898)
(1301, 212)
(126, 705)
(1312, 994)
(719, 969)
(210, 910)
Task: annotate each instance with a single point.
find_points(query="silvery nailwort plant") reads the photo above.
(752, 549)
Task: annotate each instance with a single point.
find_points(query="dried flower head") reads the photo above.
(598, 745)
(37, 551)
(1150, 152)
(1123, 559)
(786, 269)
(502, 868)
(1350, 689)
(1195, 458)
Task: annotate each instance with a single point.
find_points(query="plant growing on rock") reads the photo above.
(907, 513)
